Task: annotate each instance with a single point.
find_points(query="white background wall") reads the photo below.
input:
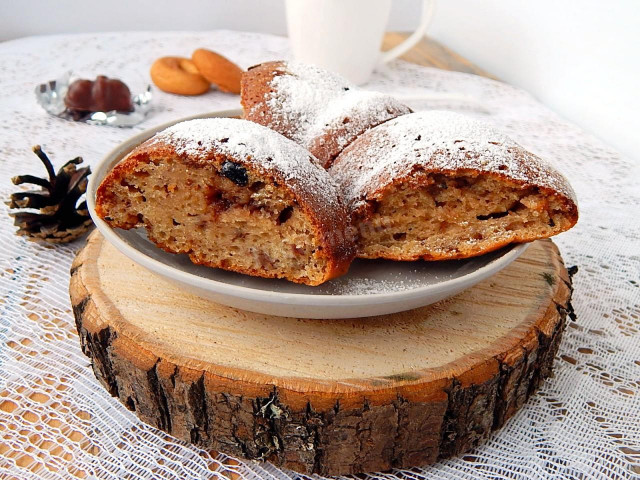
(580, 57)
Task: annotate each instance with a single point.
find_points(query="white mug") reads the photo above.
(344, 36)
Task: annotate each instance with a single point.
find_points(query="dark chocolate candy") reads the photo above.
(102, 95)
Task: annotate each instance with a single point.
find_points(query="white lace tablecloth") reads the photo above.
(56, 421)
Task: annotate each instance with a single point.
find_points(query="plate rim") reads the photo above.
(248, 293)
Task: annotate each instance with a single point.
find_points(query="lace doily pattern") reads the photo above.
(57, 421)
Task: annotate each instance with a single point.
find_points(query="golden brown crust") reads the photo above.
(328, 215)
(218, 70)
(255, 90)
(178, 75)
(327, 146)
(324, 123)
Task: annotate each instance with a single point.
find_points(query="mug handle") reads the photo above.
(428, 7)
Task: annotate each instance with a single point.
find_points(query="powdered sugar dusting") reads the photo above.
(437, 140)
(322, 79)
(251, 142)
(394, 282)
(312, 102)
(362, 109)
(300, 92)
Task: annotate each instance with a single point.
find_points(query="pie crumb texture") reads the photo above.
(234, 195)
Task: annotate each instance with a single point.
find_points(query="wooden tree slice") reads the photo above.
(324, 396)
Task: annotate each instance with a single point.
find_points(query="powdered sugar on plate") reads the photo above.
(394, 282)
(437, 141)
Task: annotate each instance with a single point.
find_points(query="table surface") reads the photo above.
(431, 53)
(582, 424)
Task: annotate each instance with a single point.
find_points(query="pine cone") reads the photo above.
(60, 219)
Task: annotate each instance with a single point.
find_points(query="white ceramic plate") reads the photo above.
(372, 287)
